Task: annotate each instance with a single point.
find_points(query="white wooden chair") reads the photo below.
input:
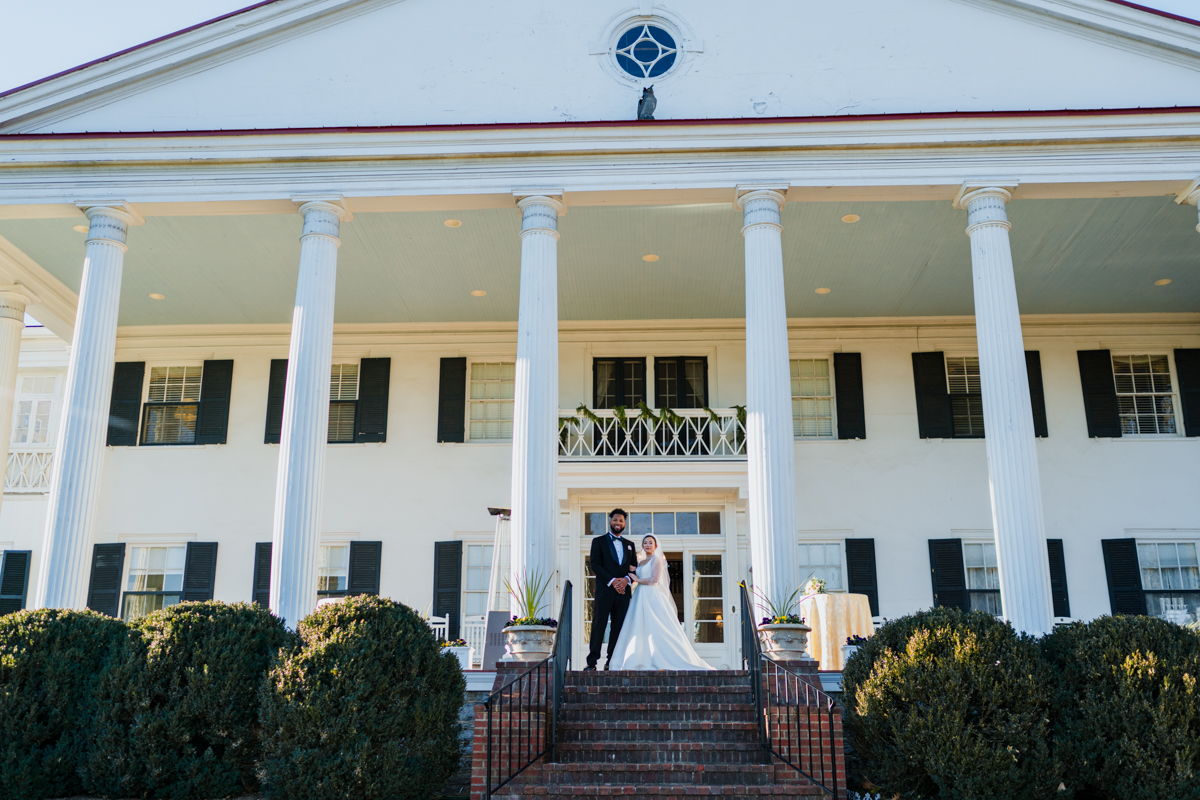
(441, 627)
(474, 630)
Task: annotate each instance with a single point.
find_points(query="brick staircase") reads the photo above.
(659, 734)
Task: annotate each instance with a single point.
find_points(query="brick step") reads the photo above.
(636, 775)
(660, 712)
(669, 790)
(656, 694)
(602, 754)
(710, 676)
(654, 730)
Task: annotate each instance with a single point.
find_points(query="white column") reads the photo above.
(534, 522)
(300, 481)
(83, 429)
(1008, 417)
(770, 440)
(13, 300)
(1190, 196)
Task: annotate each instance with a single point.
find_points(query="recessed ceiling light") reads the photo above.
(650, 257)
(80, 228)
(1162, 282)
(453, 223)
(478, 293)
(851, 218)
(157, 296)
(824, 291)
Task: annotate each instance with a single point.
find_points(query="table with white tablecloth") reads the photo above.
(833, 617)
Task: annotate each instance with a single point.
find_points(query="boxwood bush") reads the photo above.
(179, 715)
(50, 663)
(366, 708)
(1129, 725)
(953, 704)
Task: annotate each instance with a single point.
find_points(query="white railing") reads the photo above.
(441, 627)
(474, 630)
(28, 470)
(693, 433)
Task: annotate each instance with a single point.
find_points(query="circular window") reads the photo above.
(646, 51)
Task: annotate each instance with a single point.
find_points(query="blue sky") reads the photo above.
(49, 36)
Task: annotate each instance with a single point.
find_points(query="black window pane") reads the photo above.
(710, 523)
(666, 377)
(646, 51)
(629, 37)
(663, 65)
(634, 375)
(694, 390)
(605, 390)
(663, 38)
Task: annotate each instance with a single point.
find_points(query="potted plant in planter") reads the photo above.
(853, 643)
(461, 651)
(783, 634)
(529, 637)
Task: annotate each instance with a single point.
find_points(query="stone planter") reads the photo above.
(529, 642)
(847, 651)
(464, 655)
(784, 642)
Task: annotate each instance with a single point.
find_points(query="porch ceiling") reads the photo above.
(901, 259)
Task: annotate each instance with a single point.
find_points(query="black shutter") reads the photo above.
(104, 588)
(1124, 576)
(1187, 369)
(200, 571)
(851, 414)
(452, 400)
(374, 377)
(276, 388)
(447, 583)
(261, 593)
(1099, 393)
(125, 407)
(933, 399)
(861, 577)
(14, 580)
(1037, 395)
(363, 577)
(949, 575)
(215, 385)
(1058, 578)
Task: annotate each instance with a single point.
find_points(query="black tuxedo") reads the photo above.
(609, 604)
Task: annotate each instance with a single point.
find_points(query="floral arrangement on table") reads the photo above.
(455, 643)
(814, 586)
(855, 641)
(530, 592)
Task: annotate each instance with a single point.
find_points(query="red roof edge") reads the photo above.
(111, 56)
(610, 123)
(1157, 12)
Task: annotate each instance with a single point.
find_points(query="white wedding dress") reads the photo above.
(652, 637)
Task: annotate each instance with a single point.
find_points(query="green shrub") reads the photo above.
(367, 708)
(956, 705)
(180, 713)
(1130, 721)
(50, 663)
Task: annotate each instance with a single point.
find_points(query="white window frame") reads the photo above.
(841, 545)
(1175, 409)
(321, 594)
(467, 544)
(1138, 541)
(129, 568)
(505, 359)
(150, 366)
(55, 398)
(946, 356)
(966, 579)
(832, 396)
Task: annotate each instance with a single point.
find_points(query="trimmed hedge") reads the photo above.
(1129, 725)
(179, 717)
(50, 663)
(953, 704)
(366, 708)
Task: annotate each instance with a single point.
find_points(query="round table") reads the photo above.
(833, 617)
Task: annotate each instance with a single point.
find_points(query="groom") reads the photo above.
(612, 558)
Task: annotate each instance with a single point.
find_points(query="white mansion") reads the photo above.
(905, 296)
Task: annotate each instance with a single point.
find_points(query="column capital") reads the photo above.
(973, 190)
(745, 192)
(334, 203)
(117, 209)
(13, 300)
(555, 198)
(1190, 194)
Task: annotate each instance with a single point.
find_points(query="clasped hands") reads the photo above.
(620, 584)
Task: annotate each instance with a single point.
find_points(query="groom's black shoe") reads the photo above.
(607, 664)
(589, 669)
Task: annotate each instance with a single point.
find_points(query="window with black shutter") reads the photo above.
(200, 571)
(851, 410)
(374, 382)
(155, 576)
(276, 389)
(618, 382)
(14, 580)
(452, 400)
(261, 591)
(679, 381)
(1124, 578)
(861, 577)
(447, 583)
(104, 586)
(365, 562)
(965, 388)
(125, 404)
(171, 413)
(933, 403)
(1099, 393)
(950, 395)
(949, 577)
(1187, 369)
(1170, 579)
(1037, 393)
(215, 389)
(1058, 578)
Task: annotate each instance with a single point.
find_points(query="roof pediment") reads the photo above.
(362, 63)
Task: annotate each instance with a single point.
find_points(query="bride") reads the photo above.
(652, 637)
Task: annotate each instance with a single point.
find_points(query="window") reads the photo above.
(812, 398)
(32, 410)
(618, 382)
(707, 600)
(659, 523)
(155, 580)
(681, 382)
(172, 405)
(492, 388)
(983, 577)
(1144, 396)
(478, 578)
(823, 561)
(343, 402)
(1170, 580)
(966, 396)
(333, 570)
(646, 51)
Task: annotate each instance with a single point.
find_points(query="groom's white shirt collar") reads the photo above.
(618, 548)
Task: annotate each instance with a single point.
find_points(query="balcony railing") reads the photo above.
(686, 434)
(28, 470)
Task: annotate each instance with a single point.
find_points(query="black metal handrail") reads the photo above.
(787, 706)
(515, 740)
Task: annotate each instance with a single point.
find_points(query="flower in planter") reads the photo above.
(552, 623)
(455, 643)
(855, 641)
(783, 619)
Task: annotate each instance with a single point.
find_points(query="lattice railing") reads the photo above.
(28, 471)
(693, 433)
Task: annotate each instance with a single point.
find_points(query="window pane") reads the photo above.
(812, 397)
(1144, 400)
(170, 424)
(491, 406)
(686, 523)
(664, 523)
(710, 523)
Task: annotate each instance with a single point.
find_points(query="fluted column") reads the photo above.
(1191, 196)
(770, 439)
(13, 300)
(1008, 417)
(534, 520)
(300, 481)
(79, 451)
